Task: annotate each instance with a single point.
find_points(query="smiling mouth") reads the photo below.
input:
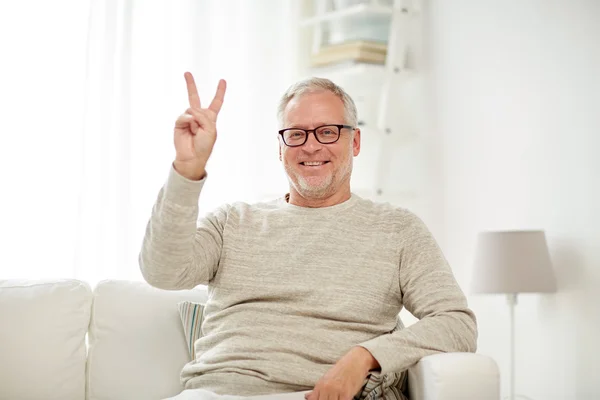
(314, 163)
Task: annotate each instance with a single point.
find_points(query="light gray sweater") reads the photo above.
(292, 289)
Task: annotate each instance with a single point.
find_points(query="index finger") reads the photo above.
(217, 102)
(193, 97)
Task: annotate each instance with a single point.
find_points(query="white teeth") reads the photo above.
(313, 164)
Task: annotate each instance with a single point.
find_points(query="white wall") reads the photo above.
(516, 102)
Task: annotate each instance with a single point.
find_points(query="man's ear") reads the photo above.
(356, 142)
(279, 143)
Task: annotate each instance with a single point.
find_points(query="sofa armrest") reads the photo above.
(454, 376)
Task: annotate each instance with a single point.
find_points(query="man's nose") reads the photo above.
(312, 144)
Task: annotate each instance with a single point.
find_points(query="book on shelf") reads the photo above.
(358, 51)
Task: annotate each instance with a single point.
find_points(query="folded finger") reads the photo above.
(201, 118)
(194, 126)
(184, 120)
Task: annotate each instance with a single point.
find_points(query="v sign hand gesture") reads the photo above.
(196, 131)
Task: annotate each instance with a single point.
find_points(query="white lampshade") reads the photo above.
(512, 262)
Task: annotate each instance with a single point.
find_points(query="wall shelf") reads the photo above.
(364, 9)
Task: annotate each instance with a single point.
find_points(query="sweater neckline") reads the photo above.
(317, 210)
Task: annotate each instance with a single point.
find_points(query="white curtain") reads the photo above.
(89, 94)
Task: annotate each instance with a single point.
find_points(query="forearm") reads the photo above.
(452, 331)
(169, 258)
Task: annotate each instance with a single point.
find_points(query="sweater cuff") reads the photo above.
(380, 353)
(181, 190)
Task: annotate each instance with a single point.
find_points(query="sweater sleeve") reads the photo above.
(430, 292)
(180, 251)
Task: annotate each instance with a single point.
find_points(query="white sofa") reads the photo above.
(61, 340)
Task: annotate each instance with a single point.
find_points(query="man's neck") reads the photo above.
(338, 197)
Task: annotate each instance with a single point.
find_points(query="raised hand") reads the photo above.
(196, 131)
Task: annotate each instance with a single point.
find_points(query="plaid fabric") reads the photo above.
(390, 386)
(191, 315)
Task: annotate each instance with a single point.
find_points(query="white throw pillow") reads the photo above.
(137, 344)
(42, 339)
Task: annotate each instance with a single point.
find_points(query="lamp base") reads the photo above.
(512, 302)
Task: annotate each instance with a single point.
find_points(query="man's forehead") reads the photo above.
(313, 106)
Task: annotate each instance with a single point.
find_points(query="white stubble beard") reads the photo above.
(325, 187)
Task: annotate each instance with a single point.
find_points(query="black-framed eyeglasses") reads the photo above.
(326, 134)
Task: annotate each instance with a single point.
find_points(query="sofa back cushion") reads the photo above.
(42, 339)
(137, 346)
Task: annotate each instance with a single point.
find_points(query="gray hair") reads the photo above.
(311, 85)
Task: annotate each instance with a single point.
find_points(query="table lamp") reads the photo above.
(512, 262)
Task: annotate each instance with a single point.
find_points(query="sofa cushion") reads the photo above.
(42, 339)
(137, 346)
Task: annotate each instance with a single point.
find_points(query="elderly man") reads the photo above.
(305, 290)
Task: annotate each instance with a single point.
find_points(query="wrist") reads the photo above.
(365, 359)
(189, 171)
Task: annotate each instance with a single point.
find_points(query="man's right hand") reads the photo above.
(196, 131)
